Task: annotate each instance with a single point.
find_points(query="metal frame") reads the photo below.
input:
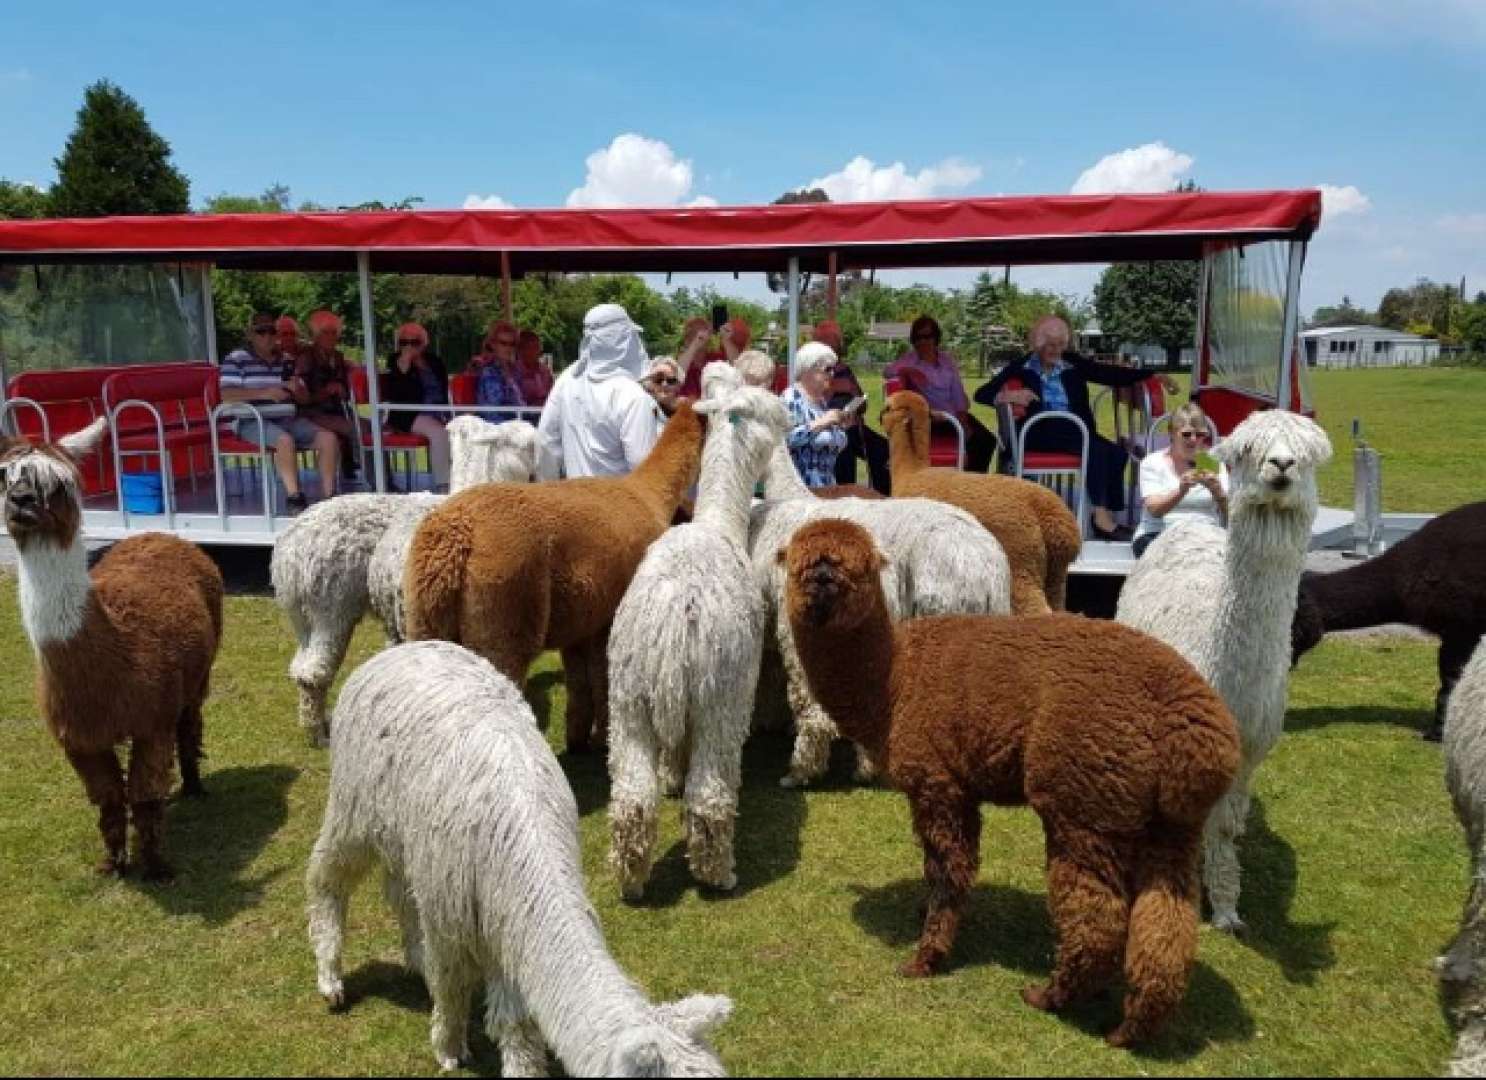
(167, 471)
(6, 423)
(954, 422)
(1082, 476)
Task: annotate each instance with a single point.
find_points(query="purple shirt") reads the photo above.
(940, 382)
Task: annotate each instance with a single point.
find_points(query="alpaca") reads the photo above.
(943, 563)
(1226, 600)
(438, 773)
(1434, 579)
(321, 563)
(510, 570)
(962, 710)
(684, 655)
(1463, 967)
(125, 652)
(1038, 533)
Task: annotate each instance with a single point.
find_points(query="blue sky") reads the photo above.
(343, 102)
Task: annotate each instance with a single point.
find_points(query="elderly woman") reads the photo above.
(495, 370)
(1173, 484)
(323, 385)
(757, 368)
(416, 376)
(862, 443)
(818, 433)
(935, 374)
(663, 383)
(1053, 379)
(533, 378)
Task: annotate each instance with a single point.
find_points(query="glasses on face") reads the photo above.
(408, 343)
(505, 343)
(263, 330)
(922, 337)
(1200, 436)
(665, 380)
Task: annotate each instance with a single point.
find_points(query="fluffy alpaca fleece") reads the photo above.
(1038, 533)
(1463, 967)
(1226, 601)
(1434, 579)
(321, 565)
(124, 654)
(962, 710)
(943, 563)
(684, 656)
(510, 570)
(438, 773)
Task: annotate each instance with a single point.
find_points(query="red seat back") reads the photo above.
(781, 378)
(463, 389)
(1227, 408)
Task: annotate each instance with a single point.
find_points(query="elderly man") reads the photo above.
(599, 421)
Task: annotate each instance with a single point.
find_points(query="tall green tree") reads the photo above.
(1344, 314)
(115, 163)
(1422, 308)
(1151, 303)
(20, 201)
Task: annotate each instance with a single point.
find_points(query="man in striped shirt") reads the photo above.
(260, 375)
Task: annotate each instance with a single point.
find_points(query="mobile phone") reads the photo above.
(719, 316)
(856, 404)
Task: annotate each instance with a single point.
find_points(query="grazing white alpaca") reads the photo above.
(684, 655)
(438, 772)
(1225, 600)
(1463, 967)
(321, 562)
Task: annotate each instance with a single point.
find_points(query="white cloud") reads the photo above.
(486, 202)
(635, 171)
(1152, 167)
(704, 200)
(862, 181)
(1336, 201)
(1457, 23)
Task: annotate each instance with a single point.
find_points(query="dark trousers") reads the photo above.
(980, 444)
(862, 443)
(1143, 542)
(1107, 462)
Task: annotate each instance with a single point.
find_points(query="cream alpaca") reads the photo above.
(1226, 600)
(438, 772)
(321, 563)
(1463, 967)
(684, 654)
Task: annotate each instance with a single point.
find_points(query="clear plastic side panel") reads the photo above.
(1246, 318)
(82, 316)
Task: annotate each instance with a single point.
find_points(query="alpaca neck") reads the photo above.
(729, 472)
(671, 466)
(908, 451)
(850, 674)
(1264, 559)
(1361, 595)
(783, 479)
(55, 590)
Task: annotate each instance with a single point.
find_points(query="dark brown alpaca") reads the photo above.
(124, 654)
(508, 570)
(957, 711)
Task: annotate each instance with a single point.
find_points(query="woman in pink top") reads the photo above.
(533, 376)
(933, 372)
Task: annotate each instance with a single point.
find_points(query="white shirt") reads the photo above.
(1158, 476)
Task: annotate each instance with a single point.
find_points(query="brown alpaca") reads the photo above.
(961, 710)
(124, 654)
(1038, 533)
(508, 570)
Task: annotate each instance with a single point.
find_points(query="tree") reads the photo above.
(274, 200)
(1423, 306)
(1344, 314)
(115, 163)
(1149, 303)
(22, 201)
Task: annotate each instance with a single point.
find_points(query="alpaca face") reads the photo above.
(1272, 458)
(831, 569)
(906, 410)
(40, 487)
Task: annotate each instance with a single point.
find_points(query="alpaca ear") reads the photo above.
(82, 443)
(637, 1053)
(696, 1016)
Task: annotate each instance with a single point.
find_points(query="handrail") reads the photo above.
(31, 403)
(167, 494)
(1083, 458)
(954, 421)
(226, 408)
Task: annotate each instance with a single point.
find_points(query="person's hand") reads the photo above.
(1023, 397)
(1171, 385)
(1210, 481)
(1189, 479)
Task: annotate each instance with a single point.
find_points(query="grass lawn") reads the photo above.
(1355, 874)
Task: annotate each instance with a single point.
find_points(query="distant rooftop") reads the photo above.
(1380, 332)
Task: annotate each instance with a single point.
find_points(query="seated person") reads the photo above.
(533, 377)
(862, 443)
(496, 381)
(934, 373)
(663, 384)
(818, 433)
(288, 334)
(1173, 485)
(416, 376)
(256, 374)
(1054, 379)
(323, 389)
(757, 368)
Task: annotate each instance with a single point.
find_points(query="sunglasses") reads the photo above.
(408, 343)
(665, 381)
(1201, 436)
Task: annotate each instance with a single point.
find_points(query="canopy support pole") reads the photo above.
(505, 286)
(369, 359)
(831, 295)
(1203, 364)
(1285, 399)
(794, 313)
(209, 313)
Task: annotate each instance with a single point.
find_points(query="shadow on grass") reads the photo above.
(540, 689)
(1270, 874)
(1010, 928)
(1319, 716)
(400, 987)
(212, 841)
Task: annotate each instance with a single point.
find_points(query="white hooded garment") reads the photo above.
(598, 420)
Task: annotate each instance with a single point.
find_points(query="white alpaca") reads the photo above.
(321, 562)
(1463, 967)
(945, 564)
(684, 655)
(1225, 601)
(438, 772)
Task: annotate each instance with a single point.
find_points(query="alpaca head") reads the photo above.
(1272, 458)
(719, 378)
(42, 487)
(675, 1044)
(757, 422)
(484, 453)
(832, 571)
(909, 412)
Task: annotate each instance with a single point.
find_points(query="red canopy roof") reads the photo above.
(938, 232)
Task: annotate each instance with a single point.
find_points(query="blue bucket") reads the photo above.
(142, 493)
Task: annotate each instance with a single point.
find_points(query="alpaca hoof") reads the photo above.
(792, 781)
(449, 1062)
(632, 892)
(917, 968)
(1230, 923)
(112, 866)
(1039, 997)
(726, 883)
(334, 993)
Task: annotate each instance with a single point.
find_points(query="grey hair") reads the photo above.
(1039, 330)
(814, 357)
(757, 368)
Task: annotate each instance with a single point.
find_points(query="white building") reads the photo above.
(1367, 346)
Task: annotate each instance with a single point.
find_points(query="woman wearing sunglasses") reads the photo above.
(495, 370)
(1174, 485)
(663, 383)
(416, 376)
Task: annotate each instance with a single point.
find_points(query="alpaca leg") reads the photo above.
(451, 978)
(188, 749)
(1455, 652)
(1057, 587)
(1090, 915)
(313, 669)
(337, 863)
(510, 1026)
(814, 730)
(1162, 942)
(948, 828)
(598, 687)
(712, 784)
(103, 780)
(1220, 867)
(403, 904)
(149, 783)
(866, 770)
(579, 716)
(634, 797)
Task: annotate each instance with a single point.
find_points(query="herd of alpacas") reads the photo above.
(926, 629)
